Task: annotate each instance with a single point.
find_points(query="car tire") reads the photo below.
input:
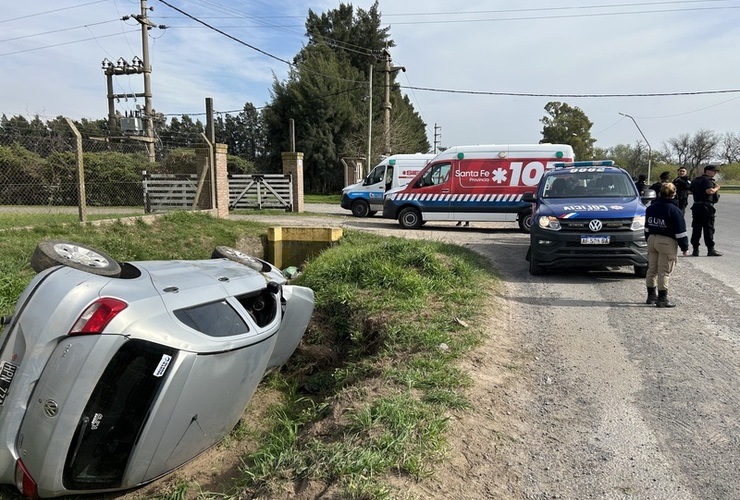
(525, 221)
(410, 218)
(223, 252)
(360, 208)
(50, 253)
(641, 271)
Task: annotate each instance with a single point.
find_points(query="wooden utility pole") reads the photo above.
(387, 106)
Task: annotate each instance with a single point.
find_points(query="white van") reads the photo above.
(365, 198)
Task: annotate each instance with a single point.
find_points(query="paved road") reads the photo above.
(625, 400)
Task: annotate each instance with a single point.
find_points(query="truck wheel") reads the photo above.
(535, 269)
(410, 218)
(641, 271)
(360, 208)
(223, 252)
(50, 253)
(525, 221)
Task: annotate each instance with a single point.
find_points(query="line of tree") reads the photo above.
(566, 124)
(326, 95)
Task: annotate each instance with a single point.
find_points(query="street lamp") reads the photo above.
(650, 150)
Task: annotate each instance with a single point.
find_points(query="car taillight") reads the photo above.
(97, 316)
(23, 481)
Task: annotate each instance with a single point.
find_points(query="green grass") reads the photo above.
(368, 394)
(333, 199)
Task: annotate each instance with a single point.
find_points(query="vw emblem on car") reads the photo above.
(595, 225)
(51, 408)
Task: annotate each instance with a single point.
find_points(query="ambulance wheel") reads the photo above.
(641, 271)
(525, 221)
(360, 208)
(410, 218)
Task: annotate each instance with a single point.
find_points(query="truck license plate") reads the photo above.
(7, 372)
(594, 240)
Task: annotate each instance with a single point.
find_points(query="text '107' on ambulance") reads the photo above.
(365, 198)
(587, 214)
(482, 183)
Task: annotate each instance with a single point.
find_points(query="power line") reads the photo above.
(51, 11)
(571, 96)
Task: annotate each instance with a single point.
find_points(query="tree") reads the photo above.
(692, 152)
(568, 125)
(730, 148)
(325, 96)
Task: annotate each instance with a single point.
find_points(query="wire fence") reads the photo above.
(41, 171)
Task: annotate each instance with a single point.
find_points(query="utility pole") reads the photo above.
(136, 66)
(650, 150)
(387, 106)
(369, 119)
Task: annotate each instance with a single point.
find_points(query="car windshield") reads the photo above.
(591, 185)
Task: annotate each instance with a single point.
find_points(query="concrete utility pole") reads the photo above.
(136, 66)
(369, 118)
(387, 106)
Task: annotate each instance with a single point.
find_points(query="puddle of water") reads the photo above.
(286, 253)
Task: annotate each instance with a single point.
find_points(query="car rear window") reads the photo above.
(216, 319)
(114, 416)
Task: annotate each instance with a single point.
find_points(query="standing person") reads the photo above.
(640, 184)
(655, 186)
(665, 231)
(682, 183)
(704, 189)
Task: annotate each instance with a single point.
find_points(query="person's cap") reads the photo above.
(665, 175)
(711, 167)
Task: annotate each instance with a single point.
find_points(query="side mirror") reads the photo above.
(529, 197)
(648, 195)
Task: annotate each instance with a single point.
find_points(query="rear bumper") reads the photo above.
(564, 249)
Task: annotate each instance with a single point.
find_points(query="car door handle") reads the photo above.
(445, 190)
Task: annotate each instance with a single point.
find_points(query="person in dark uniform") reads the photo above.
(640, 184)
(655, 186)
(665, 231)
(682, 183)
(705, 192)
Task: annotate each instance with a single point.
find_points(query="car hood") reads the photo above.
(615, 207)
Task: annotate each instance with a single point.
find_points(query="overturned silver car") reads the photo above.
(114, 374)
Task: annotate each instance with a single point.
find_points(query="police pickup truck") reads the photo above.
(587, 214)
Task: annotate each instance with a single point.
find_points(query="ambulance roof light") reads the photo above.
(392, 161)
(460, 156)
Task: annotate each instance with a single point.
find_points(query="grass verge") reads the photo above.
(366, 397)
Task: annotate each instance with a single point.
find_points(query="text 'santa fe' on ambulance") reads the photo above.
(474, 183)
(587, 214)
(366, 198)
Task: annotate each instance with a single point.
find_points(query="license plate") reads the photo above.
(594, 240)
(7, 372)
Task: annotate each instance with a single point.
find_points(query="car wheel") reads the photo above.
(525, 221)
(360, 208)
(641, 271)
(535, 269)
(50, 253)
(222, 252)
(410, 218)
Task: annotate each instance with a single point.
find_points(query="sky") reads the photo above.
(477, 71)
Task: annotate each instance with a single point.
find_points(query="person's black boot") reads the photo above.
(695, 253)
(714, 253)
(663, 299)
(652, 296)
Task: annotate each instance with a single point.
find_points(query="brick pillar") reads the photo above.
(221, 187)
(293, 165)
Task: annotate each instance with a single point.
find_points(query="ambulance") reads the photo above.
(366, 198)
(475, 183)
